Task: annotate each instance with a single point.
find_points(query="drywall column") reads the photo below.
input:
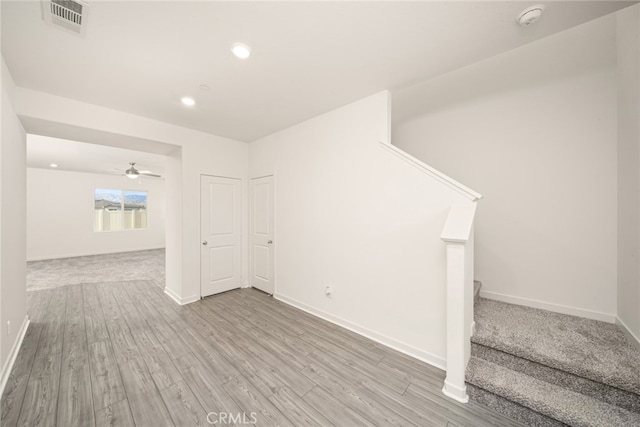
(13, 236)
(628, 79)
(173, 225)
(458, 235)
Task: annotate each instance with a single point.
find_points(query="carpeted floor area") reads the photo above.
(123, 266)
(548, 369)
(588, 348)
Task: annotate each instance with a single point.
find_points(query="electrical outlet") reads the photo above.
(8, 327)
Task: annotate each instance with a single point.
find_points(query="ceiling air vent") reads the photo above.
(68, 14)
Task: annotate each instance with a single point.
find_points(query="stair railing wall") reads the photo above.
(457, 233)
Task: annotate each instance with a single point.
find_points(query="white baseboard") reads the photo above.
(8, 366)
(424, 356)
(77, 254)
(180, 300)
(456, 393)
(631, 337)
(573, 311)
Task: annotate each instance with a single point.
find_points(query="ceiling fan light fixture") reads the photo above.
(132, 172)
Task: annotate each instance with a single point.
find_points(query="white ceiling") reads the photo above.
(574, 52)
(83, 157)
(308, 57)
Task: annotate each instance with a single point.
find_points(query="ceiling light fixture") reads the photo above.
(53, 165)
(132, 172)
(241, 50)
(530, 15)
(189, 102)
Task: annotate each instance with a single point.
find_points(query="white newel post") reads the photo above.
(458, 236)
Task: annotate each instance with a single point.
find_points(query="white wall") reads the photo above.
(628, 37)
(190, 153)
(534, 131)
(60, 215)
(13, 288)
(352, 215)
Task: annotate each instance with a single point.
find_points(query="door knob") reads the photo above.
(204, 243)
(269, 242)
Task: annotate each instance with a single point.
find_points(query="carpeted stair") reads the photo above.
(549, 369)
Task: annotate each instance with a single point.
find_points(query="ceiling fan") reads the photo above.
(133, 173)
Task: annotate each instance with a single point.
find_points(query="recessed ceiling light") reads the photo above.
(53, 165)
(189, 102)
(241, 50)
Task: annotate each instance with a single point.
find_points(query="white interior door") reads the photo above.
(261, 239)
(220, 228)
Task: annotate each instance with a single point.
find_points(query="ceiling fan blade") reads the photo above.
(149, 174)
(112, 172)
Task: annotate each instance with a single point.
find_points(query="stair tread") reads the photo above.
(556, 402)
(611, 395)
(583, 347)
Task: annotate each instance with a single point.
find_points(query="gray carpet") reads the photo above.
(587, 348)
(548, 369)
(559, 403)
(123, 266)
(603, 392)
(513, 410)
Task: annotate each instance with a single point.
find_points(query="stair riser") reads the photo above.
(510, 409)
(603, 392)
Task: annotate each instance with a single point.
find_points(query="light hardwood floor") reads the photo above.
(124, 354)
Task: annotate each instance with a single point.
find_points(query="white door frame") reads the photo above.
(275, 230)
(242, 228)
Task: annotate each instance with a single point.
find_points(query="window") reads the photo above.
(119, 209)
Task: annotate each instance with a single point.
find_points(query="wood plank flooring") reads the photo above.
(124, 354)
